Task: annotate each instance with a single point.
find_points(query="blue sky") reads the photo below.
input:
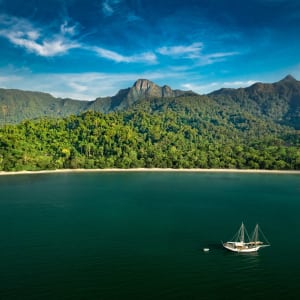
(84, 49)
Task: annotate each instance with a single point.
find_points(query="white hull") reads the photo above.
(241, 249)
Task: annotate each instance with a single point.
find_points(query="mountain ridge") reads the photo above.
(141, 89)
(279, 101)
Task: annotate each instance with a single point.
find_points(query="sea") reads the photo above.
(140, 235)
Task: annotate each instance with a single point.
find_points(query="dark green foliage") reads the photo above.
(17, 105)
(149, 126)
(279, 101)
(181, 132)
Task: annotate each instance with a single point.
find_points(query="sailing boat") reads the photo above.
(241, 242)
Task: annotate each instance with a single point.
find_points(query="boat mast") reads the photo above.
(255, 234)
(242, 233)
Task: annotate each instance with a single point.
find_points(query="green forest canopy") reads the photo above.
(173, 133)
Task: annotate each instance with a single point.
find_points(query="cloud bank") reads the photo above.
(20, 32)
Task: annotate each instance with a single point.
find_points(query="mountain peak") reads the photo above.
(288, 78)
(146, 89)
(143, 84)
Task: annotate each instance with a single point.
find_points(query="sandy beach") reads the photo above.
(153, 170)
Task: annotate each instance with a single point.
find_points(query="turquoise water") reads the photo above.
(140, 236)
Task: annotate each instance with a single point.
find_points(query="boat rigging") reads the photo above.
(241, 242)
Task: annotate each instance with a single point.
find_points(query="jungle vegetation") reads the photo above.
(178, 132)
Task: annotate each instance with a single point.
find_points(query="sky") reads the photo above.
(84, 49)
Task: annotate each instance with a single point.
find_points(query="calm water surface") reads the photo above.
(140, 236)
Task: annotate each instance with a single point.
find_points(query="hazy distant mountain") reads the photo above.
(17, 105)
(278, 101)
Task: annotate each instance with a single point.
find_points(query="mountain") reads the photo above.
(142, 89)
(17, 105)
(278, 102)
(154, 126)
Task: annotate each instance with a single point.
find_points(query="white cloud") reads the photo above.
(7, 81)
(239, 83)
(47, 43)
(212, 86)
(147, 57)
(107, 9)
(209, 59)
(111, 55)
(77, 87)
(22, 33)
(109, 6)
(201, 89)
(33, 34)
(84, 86)
(190, 51)
(194, 52)
(90, 85)
(46, 48)
(67, 29)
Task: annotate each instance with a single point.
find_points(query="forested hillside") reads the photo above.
(279, 101)
(18, 105)
(178, 132)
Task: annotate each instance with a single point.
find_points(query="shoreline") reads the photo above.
(111, 170)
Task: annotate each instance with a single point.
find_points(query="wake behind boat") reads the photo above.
(241, 242)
